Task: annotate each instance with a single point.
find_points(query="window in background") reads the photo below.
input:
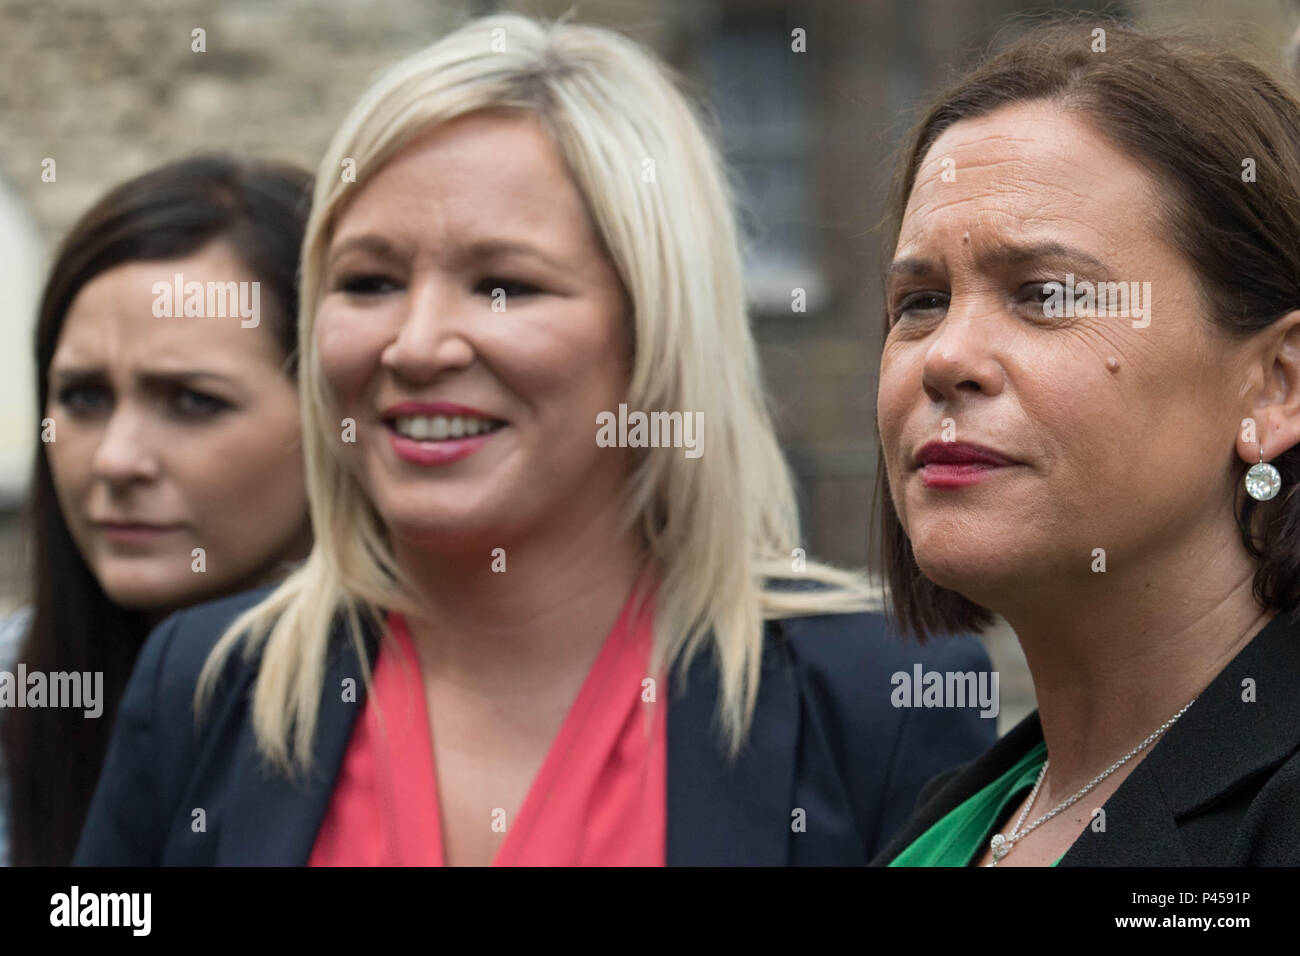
(759, 89)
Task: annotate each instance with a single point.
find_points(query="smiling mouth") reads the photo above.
(433, 428)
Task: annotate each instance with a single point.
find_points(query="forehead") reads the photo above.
(1027, 169)
(111, 321)
(486, 173)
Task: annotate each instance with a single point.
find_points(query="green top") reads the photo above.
(961, 837)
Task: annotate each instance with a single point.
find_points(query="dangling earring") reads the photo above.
(1263, 480)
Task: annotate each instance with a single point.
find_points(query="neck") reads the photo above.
(1114, 656)
(545, 616)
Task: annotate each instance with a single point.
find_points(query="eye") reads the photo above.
(511, 287)
(364, 284)
(81, 400)
(188, 403)
(1042, 300)
(919, 304)
(1038, 293)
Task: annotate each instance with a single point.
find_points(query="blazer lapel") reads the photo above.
(1242, 724)
(1140, 828)
(722, 813)
(273, 821)
(962, 783)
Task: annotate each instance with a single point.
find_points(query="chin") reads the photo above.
(145, 596)
(965, 568)
(448, 533)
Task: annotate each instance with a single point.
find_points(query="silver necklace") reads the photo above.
(1000, 844)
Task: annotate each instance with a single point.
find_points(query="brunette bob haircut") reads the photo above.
(1191, 114)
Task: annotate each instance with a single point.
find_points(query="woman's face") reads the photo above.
(172, 434)
(473, 327)
(1119, 433)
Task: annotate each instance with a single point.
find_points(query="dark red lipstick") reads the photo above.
(958, 464)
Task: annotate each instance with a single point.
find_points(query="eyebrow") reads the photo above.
(151, 377)
(499, 248)
(479, 251)
(372, 244)
(1004, 254)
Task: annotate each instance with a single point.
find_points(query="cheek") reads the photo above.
(71, 455)
(898, 392)
(562, 364)
(891, 404)
(564, 371)
(1107, 419)
(607, 350)
(244, 488)
(349, 353)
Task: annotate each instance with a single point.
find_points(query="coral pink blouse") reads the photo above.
(600, 798)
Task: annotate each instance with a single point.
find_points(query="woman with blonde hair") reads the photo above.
(520, 234)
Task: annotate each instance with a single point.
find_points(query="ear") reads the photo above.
(1274, 401)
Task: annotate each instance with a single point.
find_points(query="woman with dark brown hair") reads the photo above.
(169, 470)
(1089, 410)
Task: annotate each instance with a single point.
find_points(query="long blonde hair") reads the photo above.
(722, 530)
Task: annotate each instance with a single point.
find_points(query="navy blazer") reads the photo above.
(825, 738)
(1220, 788)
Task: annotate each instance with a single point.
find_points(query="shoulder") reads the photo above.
(887, 745)
(187, 637)
(866, 637)
(851, 647)
(173, 656)
(853, 663)
(155, 750)
(1270, 830)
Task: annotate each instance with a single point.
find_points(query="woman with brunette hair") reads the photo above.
(473, 665)
(1089, 410)
(170, 470)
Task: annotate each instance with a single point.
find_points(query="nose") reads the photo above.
(125, 453)
(431, 339)
(962, 355)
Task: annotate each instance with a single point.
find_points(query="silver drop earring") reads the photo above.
(1263, 480)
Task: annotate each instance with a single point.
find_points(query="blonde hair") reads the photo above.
(721, 530)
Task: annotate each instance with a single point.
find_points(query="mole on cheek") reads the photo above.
(1112, 363)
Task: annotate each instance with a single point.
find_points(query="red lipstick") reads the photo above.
(958, 464)
(436, 451)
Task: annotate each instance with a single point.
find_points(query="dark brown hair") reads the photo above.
(54, 755)
(1191, 115)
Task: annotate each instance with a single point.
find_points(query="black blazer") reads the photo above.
(825, 738)
(1220, 788)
